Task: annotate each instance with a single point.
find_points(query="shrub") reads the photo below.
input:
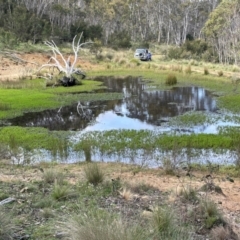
(206, 71)
(174, 53)
(120, 40)
(171, 79)
(93, 174)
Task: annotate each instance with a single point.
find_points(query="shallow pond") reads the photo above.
(142, 107)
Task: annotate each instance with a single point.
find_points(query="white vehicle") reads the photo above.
(143, 54)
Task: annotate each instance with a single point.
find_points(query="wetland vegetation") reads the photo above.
(45, 193)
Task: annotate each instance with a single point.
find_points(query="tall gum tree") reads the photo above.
(222, 29)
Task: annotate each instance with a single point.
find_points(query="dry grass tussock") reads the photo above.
(126, 194)
(87, 227)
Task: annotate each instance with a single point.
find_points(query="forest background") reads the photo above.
(206, 30)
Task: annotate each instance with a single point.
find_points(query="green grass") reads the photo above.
(99, 226)
(31, 138)
(94, 174)
(23, 97)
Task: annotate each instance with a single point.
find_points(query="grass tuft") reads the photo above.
(189, 194)
(126, 194)
(6, 227)
(212, 215)
(60, 192)
(221, 233)
(220, 73)
(188, 69)
(52, 176)
(162, 219)
(94, 174)
(98, 227)
(205, 71)
(171, 79)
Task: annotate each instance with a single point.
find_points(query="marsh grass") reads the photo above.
(4, 106)
(171, 80)
(176, 68)
(94, 174)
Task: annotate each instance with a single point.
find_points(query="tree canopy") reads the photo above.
(118, 23)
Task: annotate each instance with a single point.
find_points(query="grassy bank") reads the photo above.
(98, 201)
(33, 95)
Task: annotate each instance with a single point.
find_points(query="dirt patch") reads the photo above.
(165, 185)
(14, 67)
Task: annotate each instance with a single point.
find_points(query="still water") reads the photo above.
(142, 107)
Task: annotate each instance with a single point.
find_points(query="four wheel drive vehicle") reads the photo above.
(143, 54)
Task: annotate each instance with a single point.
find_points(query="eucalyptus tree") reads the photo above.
(223, 30)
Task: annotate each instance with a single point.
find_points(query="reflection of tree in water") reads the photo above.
(138, 102)
(150, 106)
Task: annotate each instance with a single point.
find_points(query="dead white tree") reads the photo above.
(64, 65)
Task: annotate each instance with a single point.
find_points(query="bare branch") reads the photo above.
(65, 65)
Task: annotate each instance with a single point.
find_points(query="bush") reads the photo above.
(171, 79)
(174, 53)
(93, 174)
(120, 40)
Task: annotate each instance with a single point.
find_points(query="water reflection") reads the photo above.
(141, 108)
